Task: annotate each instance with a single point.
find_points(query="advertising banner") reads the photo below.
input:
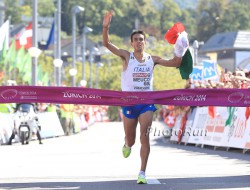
(229, 127)
(189, 125)
(52, 128)
(196, 74)
(176, 129)
(215, 128)
(6, 127)
(209, 70)
(198, 128)
(239, 129)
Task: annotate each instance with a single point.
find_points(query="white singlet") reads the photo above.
(138, 76)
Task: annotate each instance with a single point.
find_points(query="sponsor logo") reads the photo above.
(81, 96)
(141, 65)
(197, 98)
(131, 98)
(29, 95)
(235, 97)
(9, 94)
(142, 75)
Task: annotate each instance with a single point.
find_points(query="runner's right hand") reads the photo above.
(107, 19)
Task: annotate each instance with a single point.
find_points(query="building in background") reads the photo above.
(231, 50)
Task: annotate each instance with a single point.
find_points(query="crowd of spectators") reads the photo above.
(238, 79)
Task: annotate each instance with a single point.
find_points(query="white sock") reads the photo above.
(142, 173)
(127, 146)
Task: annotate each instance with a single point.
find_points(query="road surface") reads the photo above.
(93, 160)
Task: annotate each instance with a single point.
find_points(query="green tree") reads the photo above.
(66, 15)
(141, 10)
(20, 57)
(46, 8)
(186, 4)
(11, 56)
(13, 10)
(169, 13)
(155, 17)
(188, 18)
(208, 16)
(236, 17)
(24, 76)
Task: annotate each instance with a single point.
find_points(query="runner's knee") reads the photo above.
(130, 142)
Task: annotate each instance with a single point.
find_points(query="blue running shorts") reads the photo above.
(133, 112)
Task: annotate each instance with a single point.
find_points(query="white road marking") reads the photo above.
(153, 181)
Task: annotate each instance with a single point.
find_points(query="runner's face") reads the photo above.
(138, 42)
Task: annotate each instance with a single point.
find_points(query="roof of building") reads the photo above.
(228, 40)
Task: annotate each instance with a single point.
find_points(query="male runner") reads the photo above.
(137, 75)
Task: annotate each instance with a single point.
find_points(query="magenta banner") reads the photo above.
(79, 95)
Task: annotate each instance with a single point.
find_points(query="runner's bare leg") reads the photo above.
(145, 121)
(130, 130)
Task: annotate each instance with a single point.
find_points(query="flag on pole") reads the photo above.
(173, 33)
(27, 68)
(3, 54)
(42, 76)
(229, 120)
(247, 113)
(211, 111)
(1, 75)
(4, 35)
(11, 55)
(51, 37)
(24, 37)
(20, 59)
(4, 41)
(170, 119)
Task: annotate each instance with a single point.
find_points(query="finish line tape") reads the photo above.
(89, 96)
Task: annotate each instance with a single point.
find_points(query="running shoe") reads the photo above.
(141, 179)
(126, 151)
